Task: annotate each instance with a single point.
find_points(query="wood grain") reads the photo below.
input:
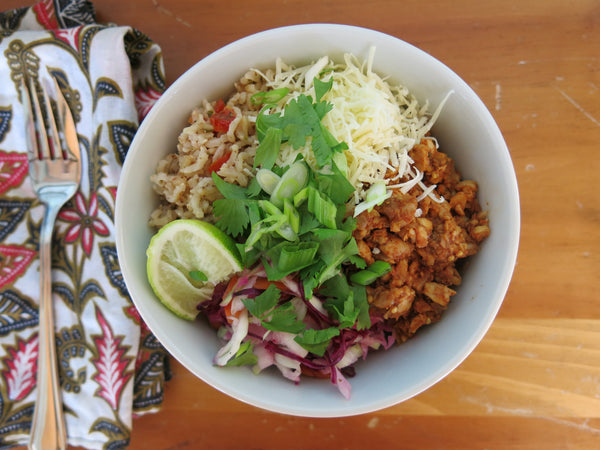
(534, 381)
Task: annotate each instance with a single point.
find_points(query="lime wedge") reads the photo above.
(178, 253)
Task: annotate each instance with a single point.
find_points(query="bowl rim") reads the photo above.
(501, 289)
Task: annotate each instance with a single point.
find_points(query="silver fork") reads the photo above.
(55, 171)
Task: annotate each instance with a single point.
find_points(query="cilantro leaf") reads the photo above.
(321, 149)
(308, 222)
(322, 87)
(229, 190)
(322, 108)
(344, 311)
(335, 287)
(237, 210)
(335, 185)
(232, 215)
(335, 259)
(244, 356)
(347, 303)
(299, 120)
(358, 261)
(268, 149)
(335, 244)
(310, 275)
(198, 275)
(284, 318)
(362, 305)
(332, 141)
(317, 341)
(299, 123)
(349, 224)
(249, 257)
(273, 317)
(264, 121)
(253, 189)
(340, 301)
(263, 303)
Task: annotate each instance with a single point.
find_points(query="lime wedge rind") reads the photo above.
(183, 246)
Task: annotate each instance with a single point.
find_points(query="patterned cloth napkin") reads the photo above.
(111, 367)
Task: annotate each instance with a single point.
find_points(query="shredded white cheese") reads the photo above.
(379, 122)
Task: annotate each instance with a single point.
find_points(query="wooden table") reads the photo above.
(534, 381)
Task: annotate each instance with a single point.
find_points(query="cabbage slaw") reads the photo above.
(246, 335)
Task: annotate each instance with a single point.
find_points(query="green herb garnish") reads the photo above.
(244, 356)
(273, 316)
(300, 121)
(371, 273)
(198, 275)
(317, 341)
(292, 220)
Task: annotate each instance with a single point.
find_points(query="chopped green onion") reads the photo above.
(375, 196)
(380, 267)
(270, 96)
(371, 273)
(292, 215)
(267, 180)
(301, 197)
(294, 257)
(291, 182)
(258, 231)
(323, 208)
(269, 208)
(340, 160)
(364, 277)
(286, 231)
(376, 191)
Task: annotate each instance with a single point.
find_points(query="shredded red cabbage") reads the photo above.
(279, 348)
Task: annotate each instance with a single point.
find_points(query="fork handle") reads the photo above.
(48, 425)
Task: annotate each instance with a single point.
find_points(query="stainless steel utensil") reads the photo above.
(55, 171)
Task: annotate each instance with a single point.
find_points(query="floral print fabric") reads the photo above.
(111, 366)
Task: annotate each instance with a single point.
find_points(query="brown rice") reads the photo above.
(183, 178)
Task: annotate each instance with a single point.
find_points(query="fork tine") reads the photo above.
(67, 124)
(43, 149)
(32, 145)
(53, 136)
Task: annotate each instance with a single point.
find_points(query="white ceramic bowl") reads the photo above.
(465, 130)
